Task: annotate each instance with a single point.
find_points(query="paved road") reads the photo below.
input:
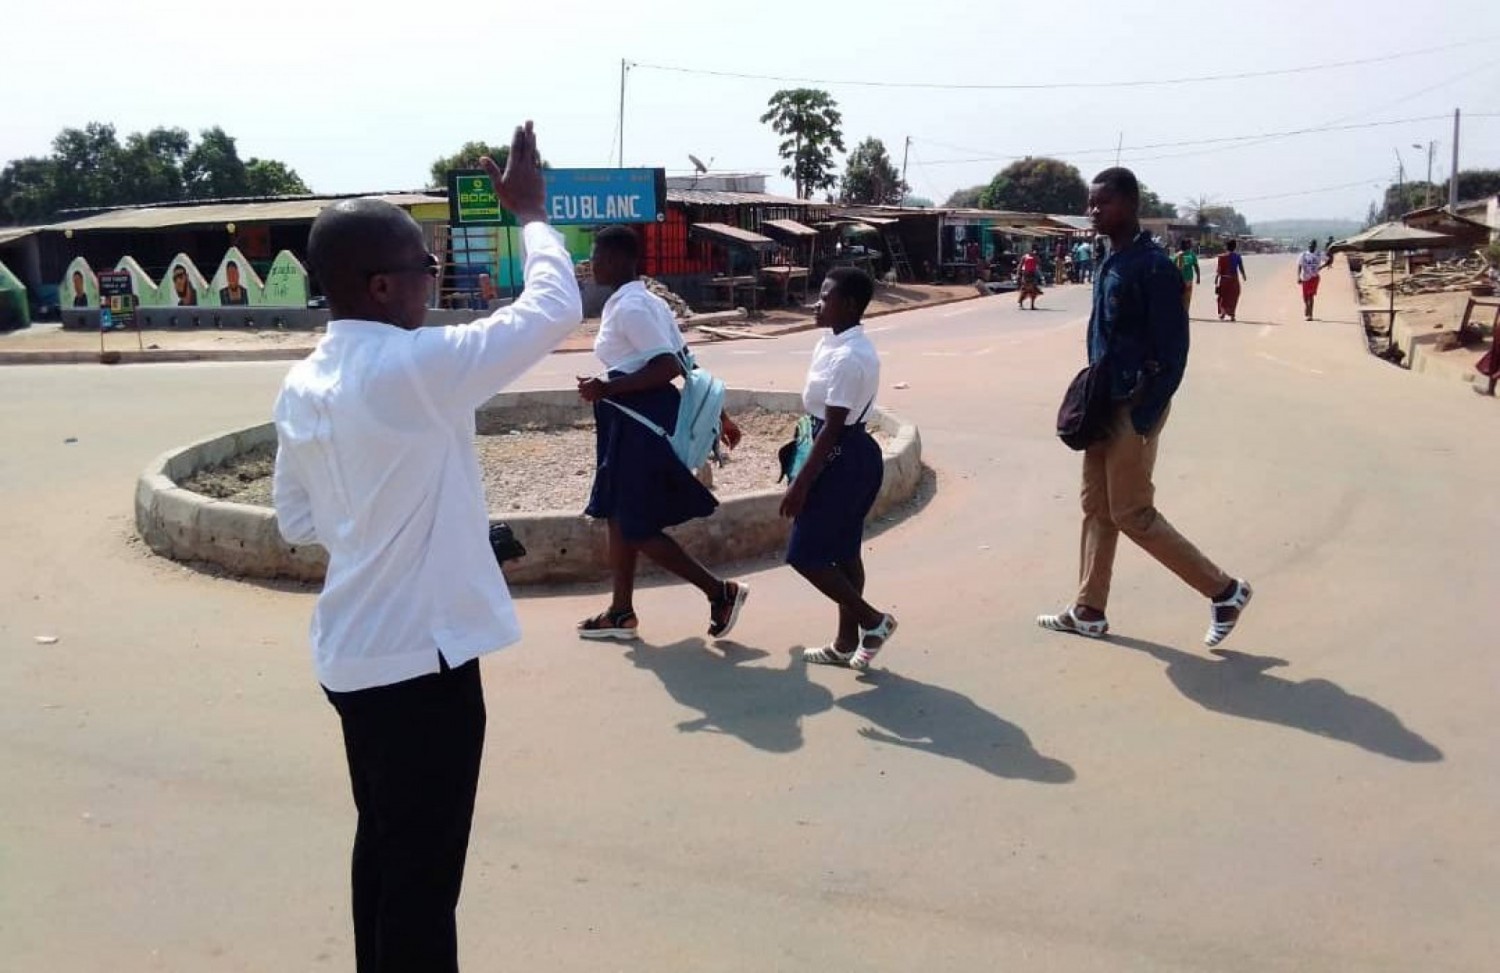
(997, 798)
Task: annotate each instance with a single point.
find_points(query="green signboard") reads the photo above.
(472, 200)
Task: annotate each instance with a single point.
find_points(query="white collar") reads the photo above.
(844, 337)
(358, 326)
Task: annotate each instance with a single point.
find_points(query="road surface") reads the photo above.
(1324, 798)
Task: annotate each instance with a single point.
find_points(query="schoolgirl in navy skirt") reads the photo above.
(640, 486)
(836, 487)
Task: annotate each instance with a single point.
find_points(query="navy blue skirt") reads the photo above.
(638, 481)
(831, 527)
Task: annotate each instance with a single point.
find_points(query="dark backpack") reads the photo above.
(1083, 417)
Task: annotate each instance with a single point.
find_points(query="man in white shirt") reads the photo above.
(1309, 266)
(376, 463)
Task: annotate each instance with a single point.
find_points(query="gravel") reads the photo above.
(535, 468)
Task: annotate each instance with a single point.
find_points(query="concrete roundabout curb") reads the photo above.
(563, 546)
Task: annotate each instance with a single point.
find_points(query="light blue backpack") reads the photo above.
(698, 426)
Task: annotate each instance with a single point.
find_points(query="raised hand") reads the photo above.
(520, 187)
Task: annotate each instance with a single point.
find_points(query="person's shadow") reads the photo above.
(1236, 684)
(944, 723)
(764, 707)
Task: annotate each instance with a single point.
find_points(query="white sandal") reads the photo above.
(866, 652)
(1068, 621)
(827, 656)
(1219, 631)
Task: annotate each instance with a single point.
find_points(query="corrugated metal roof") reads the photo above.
(731, 235)
(10, 233)
(279, 210)
(712, 197)
(790, 228)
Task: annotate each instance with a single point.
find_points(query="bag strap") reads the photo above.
(638, 418)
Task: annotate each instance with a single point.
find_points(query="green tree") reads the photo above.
(1037, 185)
(85, 161)
(916, 202)
(870, 177)
(1152, 206)
(965, 198)
(1402, 198)
(809, 122)
(28, 190)
(267, 177)
(148, 168)
(467, 158)
(1226, 220)
(213, 168)
(1474, 184)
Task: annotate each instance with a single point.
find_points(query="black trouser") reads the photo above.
(413, 750)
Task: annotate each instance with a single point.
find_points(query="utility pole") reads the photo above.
(1453, 178)
(1120, 145)
(1431, 147)
(1400, 184)
(904, 153)
(623, 68)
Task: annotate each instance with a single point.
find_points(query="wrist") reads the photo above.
(527, 217)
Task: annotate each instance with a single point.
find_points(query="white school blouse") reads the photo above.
(845, 371)
(637, 326)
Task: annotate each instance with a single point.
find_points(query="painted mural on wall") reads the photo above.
(14, 311)
(80, 288)
(183, 286)
(234, 284)
(286, 282)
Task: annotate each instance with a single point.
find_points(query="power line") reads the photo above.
(1110, 150)
(1376, 181)
(1057, 85)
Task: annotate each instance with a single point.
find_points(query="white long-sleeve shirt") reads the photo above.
(376, 462)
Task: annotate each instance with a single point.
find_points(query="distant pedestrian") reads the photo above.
(1309, 265)
(1083, 261)
(1031, 280)
(640, 486)
(1139, 329)
(1227, 276)
(1187, 265)
(1060, 262)
(832, 493)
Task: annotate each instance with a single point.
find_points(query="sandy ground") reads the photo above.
(1320, 797)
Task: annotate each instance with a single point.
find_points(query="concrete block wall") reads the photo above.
(562, 545)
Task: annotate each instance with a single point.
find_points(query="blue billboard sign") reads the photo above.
(606, 195)
(573, 197)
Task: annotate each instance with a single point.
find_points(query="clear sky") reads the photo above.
(363, 96)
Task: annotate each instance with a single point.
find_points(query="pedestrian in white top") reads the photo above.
(640, 486)
(833, 491)
(1309, 269)
(376, 463)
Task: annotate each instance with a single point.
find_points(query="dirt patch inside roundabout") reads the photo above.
(535, 468)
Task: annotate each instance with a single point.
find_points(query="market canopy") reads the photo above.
(789, 229)
(1389, 237)
(731, 236)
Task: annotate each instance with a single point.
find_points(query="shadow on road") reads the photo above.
(763, 707)
(939, 721)
(1236, 684)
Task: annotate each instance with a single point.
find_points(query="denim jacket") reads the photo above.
(1138, 323)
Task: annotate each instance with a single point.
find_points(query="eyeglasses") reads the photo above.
(429, 266)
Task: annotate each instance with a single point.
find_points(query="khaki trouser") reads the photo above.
(1118, 496)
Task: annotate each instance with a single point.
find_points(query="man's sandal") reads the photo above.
(621, 626)
(1218, 630)
(872, 641)
(827, 656)
(1068, 621)
(724, 610)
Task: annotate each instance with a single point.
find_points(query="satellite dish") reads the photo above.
(697, 164)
